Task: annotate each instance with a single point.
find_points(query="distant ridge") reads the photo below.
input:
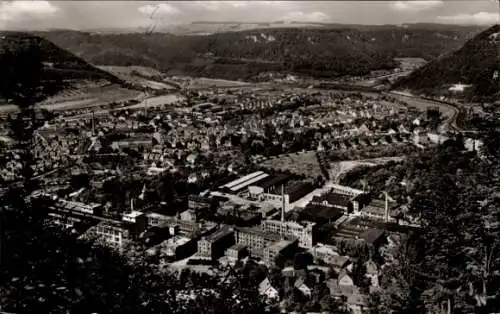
(246, 54)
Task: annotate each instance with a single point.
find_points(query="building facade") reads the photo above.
(255, 239)
(287, 248)
(215, 244)
(199, 202)
(114, 234)
(304, 232)
(237, 251)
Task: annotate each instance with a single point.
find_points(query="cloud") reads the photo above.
(481, 18)
(305, 17)
(15, 10)
(220, 5)
(161, 9)
(272, 3)
(415, 6)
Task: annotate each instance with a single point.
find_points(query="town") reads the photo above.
(223, 176)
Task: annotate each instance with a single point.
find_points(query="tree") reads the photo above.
(457, 269)
(400, 287)
(331, 305)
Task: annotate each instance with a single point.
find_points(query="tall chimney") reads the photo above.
(386, 215)
(282, 225)
(93, 124)
(131, 204)
(283, 203)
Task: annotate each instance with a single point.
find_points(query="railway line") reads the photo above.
(452, 122)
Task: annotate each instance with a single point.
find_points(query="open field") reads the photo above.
(304, 163)
(337, 169)
(128, 71)
(77, 99)
(139, 75)
(408, 64)
(203, 82)
(156, 101)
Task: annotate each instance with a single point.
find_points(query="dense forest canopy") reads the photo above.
(243, 55)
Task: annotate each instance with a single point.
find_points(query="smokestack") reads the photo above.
(93, 124)
(282, 225)
(131, 205)
(386, 215)
(283, 203)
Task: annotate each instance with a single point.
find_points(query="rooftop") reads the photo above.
(77, 206)
(376, 203)
(335, 199)
(156, 215)
(290, 224)
(321, 211)
(132, 214)
(242, 179)
(115, 224)
(248, 182)
(273, 180)
(296, 187)
(325, 249)
(219, 234)
(238, 247)
(259, 232)
(194, 197)
(281, 244)
(176, 241)
(372, 235)
(337, 260)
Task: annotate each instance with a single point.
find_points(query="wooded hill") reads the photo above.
(474, 64)
(243, 55)
(58, 62)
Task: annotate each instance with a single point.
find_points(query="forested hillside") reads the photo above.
(477, 64)
(243, 55)
(58, 62)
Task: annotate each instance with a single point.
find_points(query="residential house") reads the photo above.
(323, 250)
(267, 290)
(303, 288)
(374, 237)
(337, 262)
(358, 303)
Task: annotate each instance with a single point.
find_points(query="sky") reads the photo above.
(86, 15)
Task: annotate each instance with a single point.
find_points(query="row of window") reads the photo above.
(108, 230)
(154, 221)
